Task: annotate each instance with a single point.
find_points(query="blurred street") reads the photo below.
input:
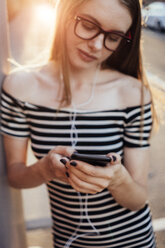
(154, 52)
(154, 61)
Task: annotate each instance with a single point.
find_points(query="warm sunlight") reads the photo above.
(45, 12)
(44, 18)
(35, 25)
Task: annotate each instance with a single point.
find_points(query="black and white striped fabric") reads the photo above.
(81, 220)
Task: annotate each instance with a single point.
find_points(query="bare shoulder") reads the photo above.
(130, 92)
(30, 85)
(20, 84)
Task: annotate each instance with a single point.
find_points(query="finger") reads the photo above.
(55, 158)
(115, 158)
(60, 167)
(106, 172)
(64, 150)
(64, 161)
(53, 168)
(84, 167)
(97, 172)
(81, 186)
(100, 182)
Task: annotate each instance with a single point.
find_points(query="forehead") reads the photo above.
(111, 14)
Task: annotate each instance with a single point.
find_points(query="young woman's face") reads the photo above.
(108, 15)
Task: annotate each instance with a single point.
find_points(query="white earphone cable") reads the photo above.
(74, 140)
(83, 208)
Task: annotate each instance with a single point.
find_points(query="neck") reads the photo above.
(83, 77)
(92, 92)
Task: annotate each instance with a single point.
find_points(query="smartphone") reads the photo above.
(100, 160)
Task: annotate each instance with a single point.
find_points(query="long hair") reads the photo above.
(65, 11)
(126, 59)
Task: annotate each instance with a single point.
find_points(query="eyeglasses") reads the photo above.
(87, 30)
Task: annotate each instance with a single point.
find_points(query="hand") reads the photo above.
(87, 178)
(53, 164)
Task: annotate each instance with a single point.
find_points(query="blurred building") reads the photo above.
(31, 32)
(28, 37)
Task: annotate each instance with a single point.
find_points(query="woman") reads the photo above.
(91, 98)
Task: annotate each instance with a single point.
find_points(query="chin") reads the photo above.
(77, 64)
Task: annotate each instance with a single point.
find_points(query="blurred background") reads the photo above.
(31, 24)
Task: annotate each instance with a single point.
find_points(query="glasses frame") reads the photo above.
(100, 31)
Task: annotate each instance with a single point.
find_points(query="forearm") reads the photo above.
(44, 170)
(22, 176)
(129, 193)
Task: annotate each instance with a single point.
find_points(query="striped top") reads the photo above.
(85, 220)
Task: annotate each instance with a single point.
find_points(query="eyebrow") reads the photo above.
(99, 24)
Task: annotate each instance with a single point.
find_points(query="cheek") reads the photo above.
(71, 39)
(71, 44)
(70, 36)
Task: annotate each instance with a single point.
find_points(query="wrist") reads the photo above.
(121, 178)
(41, 169)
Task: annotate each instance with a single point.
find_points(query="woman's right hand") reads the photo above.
(49, 167)
(52, 166)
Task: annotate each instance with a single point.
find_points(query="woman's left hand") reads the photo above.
(87, 178)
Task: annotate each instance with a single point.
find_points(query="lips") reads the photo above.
(86, 56)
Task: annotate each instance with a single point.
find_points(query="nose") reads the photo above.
(96, 43)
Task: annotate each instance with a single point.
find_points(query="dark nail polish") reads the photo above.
(110, 160)
(67, 174)
(114, 158)
(73, 163)
(63, 161)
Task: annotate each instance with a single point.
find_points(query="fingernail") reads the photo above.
(67, 174)
(63, 161)
(73, 163)
(114, 158)
(110, 159)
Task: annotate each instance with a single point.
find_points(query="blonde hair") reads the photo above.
(127, 60)
(65, 11)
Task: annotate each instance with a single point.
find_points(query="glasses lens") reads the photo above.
(112, 40)
(86, 29)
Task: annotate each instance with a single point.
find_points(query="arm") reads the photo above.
(44, 170)
(15, 128)
(131, 190)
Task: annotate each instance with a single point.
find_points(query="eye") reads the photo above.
(88, 26)
(114, 37)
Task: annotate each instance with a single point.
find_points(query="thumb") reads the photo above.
(115, 158)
